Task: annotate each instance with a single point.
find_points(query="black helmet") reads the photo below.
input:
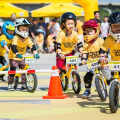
(114, 18)
(67, 15)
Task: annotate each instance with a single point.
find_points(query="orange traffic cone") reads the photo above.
(55, 89)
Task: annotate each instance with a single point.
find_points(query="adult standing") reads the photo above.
(32, 31)
(13, 17)
(42, 25)
(104, 26)
(56, 27)
(96, 18)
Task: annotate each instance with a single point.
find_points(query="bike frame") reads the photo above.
(4, 67)
(25, 68)
(97, 73)
(69, 71)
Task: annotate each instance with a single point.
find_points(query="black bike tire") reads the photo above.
(79, 82)
(114, 90)
(66, 80)
(16, 82)
(97, 84)
(35, 83)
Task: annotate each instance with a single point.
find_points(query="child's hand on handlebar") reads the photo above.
(61, 56)
(18, 55)
(103, 59)
(36, 56)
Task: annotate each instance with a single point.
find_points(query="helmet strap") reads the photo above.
(92, 41)
(21, 36)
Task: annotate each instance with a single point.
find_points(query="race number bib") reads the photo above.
(114, 66)
(71, 60)
(29, 59)
(93, 63)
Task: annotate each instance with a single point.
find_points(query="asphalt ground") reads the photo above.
(18, 105)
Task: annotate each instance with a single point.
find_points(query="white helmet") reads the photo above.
(20, 22)
(115, 36)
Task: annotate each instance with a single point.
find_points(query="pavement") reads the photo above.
(17, 105)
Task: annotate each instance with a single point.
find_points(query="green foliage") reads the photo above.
(105, 12)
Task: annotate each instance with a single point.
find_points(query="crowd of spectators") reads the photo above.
(43, 35)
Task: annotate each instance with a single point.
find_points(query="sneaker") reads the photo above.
(86, 94)
(23, 88)
(10, 87)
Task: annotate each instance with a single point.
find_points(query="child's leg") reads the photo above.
(13, 66)
(21, 66)
(88, 82)
(107, 74)
(60, 62)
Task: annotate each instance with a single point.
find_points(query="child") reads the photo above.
(5, 42)
(50, 40)
(66, 39)
(40, 40)
(18, 49)
(91, 47)
(113, 40)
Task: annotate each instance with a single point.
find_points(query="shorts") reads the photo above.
(61, 62)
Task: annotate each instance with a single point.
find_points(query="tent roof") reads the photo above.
(6, 9)
(38, 1)
(57, 9)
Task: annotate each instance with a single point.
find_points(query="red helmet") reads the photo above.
(92, 24)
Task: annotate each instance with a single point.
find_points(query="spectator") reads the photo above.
(56, 27)
(42, 25)
(13, 17)
(96, 18)
(50, 44)
(79, 30)
(32, 31)
(104, 26)
(40, 41)
(50, 27)
(0, 30)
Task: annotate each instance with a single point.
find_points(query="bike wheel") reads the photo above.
(102, 92)
(64, 82)
(31, 82)
(16, 82)
(76, 84)
(113, 97)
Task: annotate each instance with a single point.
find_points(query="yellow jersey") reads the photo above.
(2, 49)
(79, 27)
(114, 48)
(40, 38)
(67, 43)
(21, 46)
(93, 49)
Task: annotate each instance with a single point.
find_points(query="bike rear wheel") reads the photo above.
(16, 82)
(102, 92)
(113, 97)
(31, 82)
(64, 82)
(76, 84)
